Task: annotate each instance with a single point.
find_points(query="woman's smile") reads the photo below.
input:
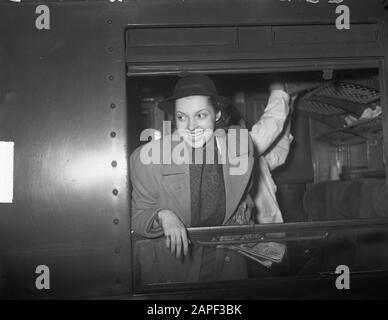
(197, 133)
(196, 138)
(195, 119)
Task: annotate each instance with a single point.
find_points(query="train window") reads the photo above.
(331, 187)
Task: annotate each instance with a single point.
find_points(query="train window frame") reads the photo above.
(257, 66)
(218, 287)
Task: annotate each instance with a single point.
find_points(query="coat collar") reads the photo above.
(235, 154)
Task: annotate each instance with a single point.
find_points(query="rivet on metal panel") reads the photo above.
(132, 231)
(111, 77)
(116, 221)
(110, 49)
(114, 164)
(109, 21)
(117, 250)
(115, 192)
(112, 106)
(113, 134)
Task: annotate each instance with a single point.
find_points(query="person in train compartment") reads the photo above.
(169, 197)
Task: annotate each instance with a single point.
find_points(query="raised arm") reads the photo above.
(267, 129)
(279, 152)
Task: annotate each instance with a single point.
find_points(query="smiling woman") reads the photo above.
(168, 198)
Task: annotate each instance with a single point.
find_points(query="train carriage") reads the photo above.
(80, 80)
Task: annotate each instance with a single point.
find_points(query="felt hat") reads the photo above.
(194, 85)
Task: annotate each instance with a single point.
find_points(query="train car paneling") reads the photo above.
(63, 103)
(147, 45)
(64, 94)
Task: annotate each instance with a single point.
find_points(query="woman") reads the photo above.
(170, 196)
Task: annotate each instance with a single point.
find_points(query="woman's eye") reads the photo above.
(202, 115)
(180, 117)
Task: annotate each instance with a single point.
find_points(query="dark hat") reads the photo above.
(193, 85)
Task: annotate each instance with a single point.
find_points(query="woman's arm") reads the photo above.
(278, 154)
(267, 129)
(144, 198)
(148, 218)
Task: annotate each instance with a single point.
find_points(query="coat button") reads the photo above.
(227, 259)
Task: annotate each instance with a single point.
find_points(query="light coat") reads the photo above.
(158, 186)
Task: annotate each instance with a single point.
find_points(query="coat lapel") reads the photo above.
(176, 180)
(235, 181)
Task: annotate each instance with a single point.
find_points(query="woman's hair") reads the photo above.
(230, 116)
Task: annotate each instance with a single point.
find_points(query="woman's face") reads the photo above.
(195, 119)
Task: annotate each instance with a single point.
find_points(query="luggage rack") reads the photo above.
(368, 129)
(362, 93)
(338, 97)
(330, 102)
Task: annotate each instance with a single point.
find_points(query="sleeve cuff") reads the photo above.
(154, 226)
(280, 93)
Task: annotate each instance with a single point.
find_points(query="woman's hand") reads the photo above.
(175, 232)
(291, 85)
(277, 85)
(276, 82)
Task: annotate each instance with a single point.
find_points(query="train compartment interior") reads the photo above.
(335, 169)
